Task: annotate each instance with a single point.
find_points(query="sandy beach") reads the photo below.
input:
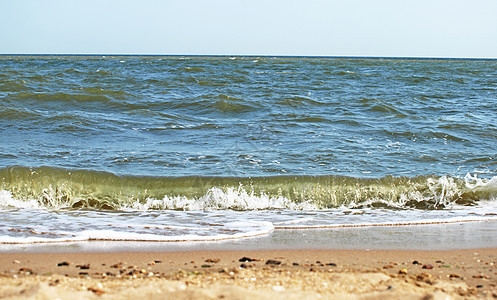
(270, 274)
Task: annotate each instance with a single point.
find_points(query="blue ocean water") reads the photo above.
(206, 148)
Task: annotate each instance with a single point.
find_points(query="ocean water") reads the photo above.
(208, 149)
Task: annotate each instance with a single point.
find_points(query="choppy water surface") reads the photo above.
(211, 148)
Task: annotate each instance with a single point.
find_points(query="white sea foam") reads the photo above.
(28, 226)
(444, 189)
(473, 182)
(232, 230)
(7, 200)
(218, 199)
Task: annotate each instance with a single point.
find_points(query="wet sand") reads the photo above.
(275, 274)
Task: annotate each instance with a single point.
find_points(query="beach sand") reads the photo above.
(267, 274)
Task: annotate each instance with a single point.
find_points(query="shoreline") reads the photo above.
(293, 274)
(446, 236)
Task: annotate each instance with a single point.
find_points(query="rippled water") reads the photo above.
(149, 136)
(249, 116)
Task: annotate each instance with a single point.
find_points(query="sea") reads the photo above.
(166, 150)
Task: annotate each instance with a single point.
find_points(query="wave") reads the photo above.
(220, 103)
(62, 97)
(17, 113)
(227, 231)
(48, 187)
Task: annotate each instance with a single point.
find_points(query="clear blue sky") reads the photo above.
(422, 28)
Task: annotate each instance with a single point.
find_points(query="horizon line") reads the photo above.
(254, 55)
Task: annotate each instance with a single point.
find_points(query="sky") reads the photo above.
(384, 28)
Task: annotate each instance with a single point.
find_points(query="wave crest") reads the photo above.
(218, 199)
(60, 188)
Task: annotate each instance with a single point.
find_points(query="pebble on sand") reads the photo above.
(83, 267)
(246, 259)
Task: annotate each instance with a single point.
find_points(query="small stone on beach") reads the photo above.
(26, 271)
(481, 276)
(96, 291)
(246, 259)
(83, 267)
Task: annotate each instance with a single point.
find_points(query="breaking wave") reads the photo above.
(48, 187)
